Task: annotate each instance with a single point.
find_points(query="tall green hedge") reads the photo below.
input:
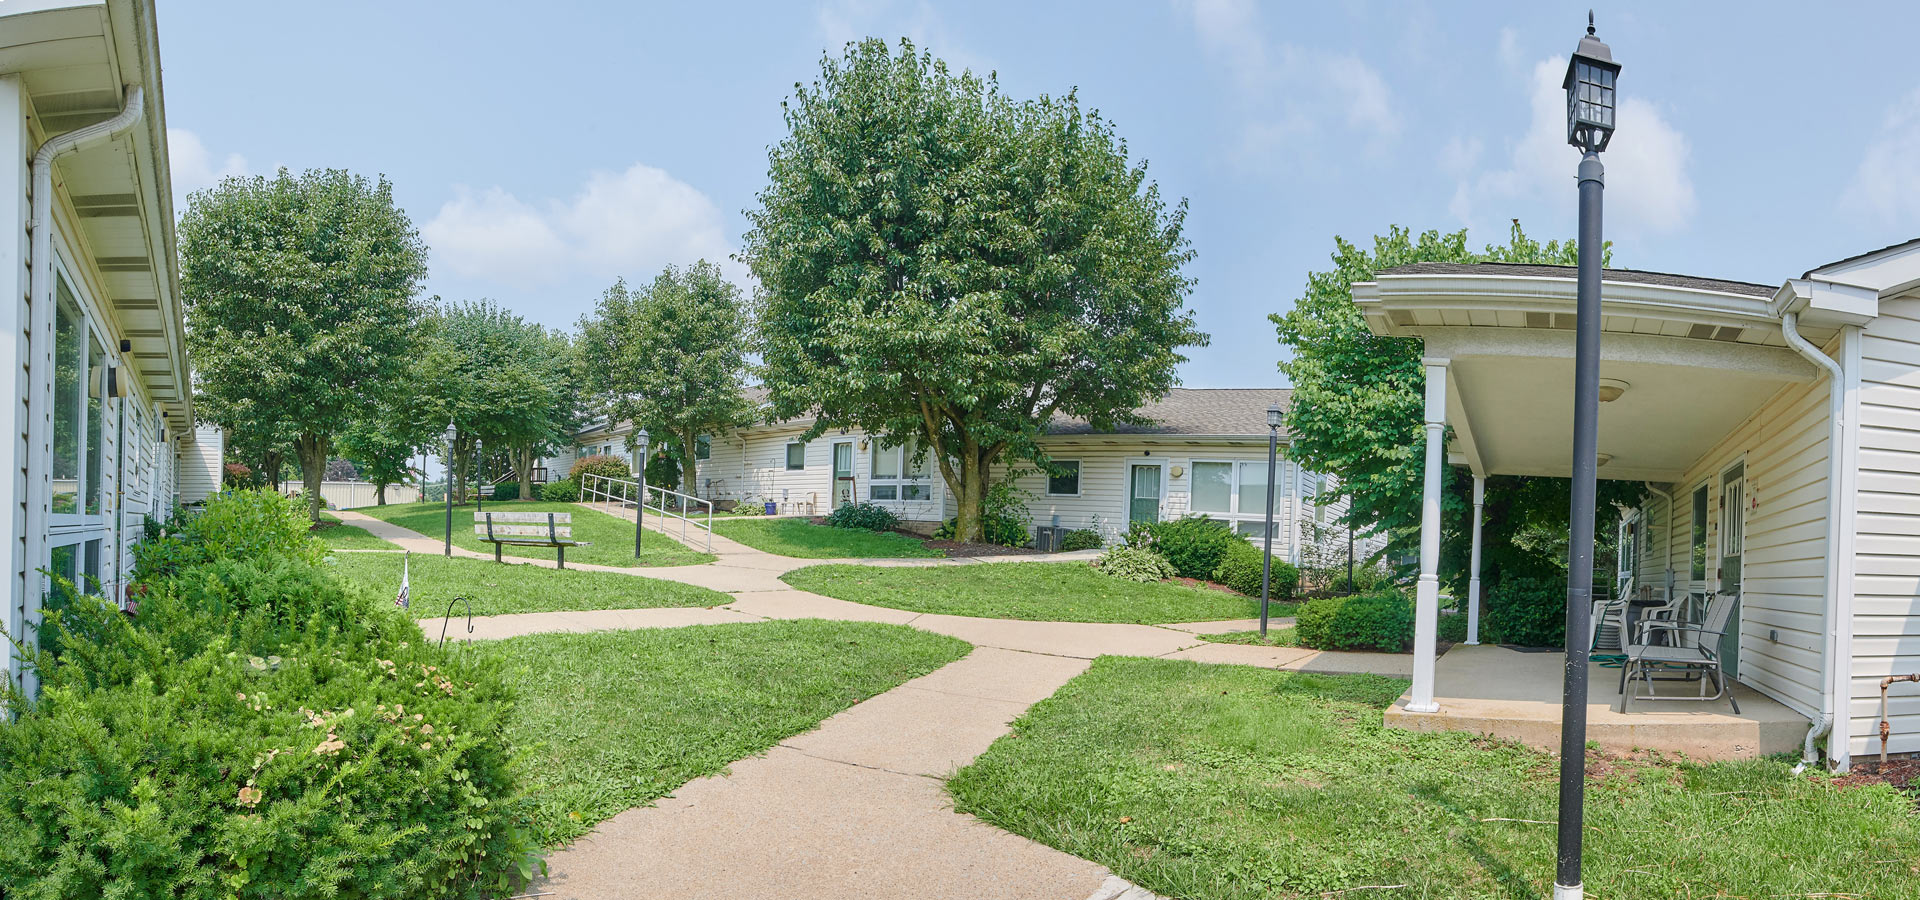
(1381, 621)
(259, 730)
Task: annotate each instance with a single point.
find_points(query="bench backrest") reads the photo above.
(523, 526)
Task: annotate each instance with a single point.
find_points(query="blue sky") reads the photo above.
(545, 148)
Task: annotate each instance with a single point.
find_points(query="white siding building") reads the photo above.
(1204, 452)
(1777, 428)
(97, 366)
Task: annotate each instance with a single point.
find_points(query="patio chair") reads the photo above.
(1691, 648)
(1608, 612)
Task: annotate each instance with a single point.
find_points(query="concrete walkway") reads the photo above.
(855, 808)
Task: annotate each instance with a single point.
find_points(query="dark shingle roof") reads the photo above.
(1234, 411)
(1618, 276)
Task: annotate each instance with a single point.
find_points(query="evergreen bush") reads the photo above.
(1195, 545)
(869, 516)
(564, 491)
(1081, 539)
(1380, 621)
(1240, 570)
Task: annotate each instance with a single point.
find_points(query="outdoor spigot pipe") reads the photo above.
(1836, 463)
(1886, 729)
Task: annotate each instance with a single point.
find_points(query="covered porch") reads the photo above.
(1715, 394)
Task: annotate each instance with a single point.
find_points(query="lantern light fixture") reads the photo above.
(1590, 93)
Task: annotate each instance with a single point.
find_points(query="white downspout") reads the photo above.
(40, 341)
(1836, 463)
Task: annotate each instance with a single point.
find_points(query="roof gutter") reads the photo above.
(1839, 574)
(40, 295)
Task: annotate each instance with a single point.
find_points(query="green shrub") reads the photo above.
(1081, 539)
(663, 470)
(563, 491)
(1195, 545)
(1530, 612)
(506, 490)
(1240, 570)
(1003, 518)
(1453, 628)
(869, 516)
(260, 729)
(1379, 621)
(236, 524)
(600, 464)
(1134, 564)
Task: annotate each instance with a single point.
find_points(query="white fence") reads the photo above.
(353, 494)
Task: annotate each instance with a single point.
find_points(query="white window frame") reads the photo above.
(903, 479)
(1079, 472)
(788, 462)
(80, 522)
(1234, 513)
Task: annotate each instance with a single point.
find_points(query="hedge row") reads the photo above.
(260, 729)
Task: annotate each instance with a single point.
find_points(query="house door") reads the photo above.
(1733, 539)
(842, 473)
(1143, 492)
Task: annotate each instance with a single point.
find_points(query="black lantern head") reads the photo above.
(1589, 85)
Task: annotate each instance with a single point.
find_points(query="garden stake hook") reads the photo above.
(444, 619)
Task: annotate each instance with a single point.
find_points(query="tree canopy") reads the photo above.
(503, 383)
(671, 357)
(299, 295)
(1358, 412)
(942, 262)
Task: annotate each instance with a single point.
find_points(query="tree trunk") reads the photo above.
(973, 478)
(690, 467)
(312, 450)
(270, 470)
(379, 493)
(523, 469)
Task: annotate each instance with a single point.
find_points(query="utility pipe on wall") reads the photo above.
(1836, 467)
(40, 335)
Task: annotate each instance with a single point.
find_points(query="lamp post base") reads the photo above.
(1562, 892)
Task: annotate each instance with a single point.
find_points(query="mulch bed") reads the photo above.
(958, 549)
(1903, 774)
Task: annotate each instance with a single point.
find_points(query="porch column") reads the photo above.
(1473, 570)
(1426, 607)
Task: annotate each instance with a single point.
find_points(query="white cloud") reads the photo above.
(1886, 184)
(1649, 189)
(194, 167)
(630, 224)
(1289, 93)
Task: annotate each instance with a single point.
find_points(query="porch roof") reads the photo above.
(1695, 357)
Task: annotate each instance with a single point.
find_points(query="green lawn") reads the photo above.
(805, 540)
(1046, 592)
(1277, 636)
(611, 539)
(614, 720)
(1233, 783)
(498, 588)
(347, 537)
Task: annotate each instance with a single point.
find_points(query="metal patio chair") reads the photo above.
(1691, 648)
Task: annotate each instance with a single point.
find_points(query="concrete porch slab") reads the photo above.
(1509, 694)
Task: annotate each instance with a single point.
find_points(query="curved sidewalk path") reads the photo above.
(856, 807)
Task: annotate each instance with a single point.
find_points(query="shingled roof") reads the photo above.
(1213, 411)
(1617, 276)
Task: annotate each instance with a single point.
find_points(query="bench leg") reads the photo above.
(563, 557)
(496, 552)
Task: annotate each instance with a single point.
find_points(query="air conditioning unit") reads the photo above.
(1046, 538)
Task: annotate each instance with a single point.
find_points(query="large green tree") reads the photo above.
(940, 261)
(1358, 412)
(502, 382)
(300, 302)
(672, 357)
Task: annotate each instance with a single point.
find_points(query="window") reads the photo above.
(899, 473)
(1232, 491)
(703, 447)
(96, 423)
(69, 361)
(796, 456)
(1700, 533)
(1065, 483)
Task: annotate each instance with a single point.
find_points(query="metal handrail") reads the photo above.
(600, 490)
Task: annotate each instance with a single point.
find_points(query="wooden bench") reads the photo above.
(526, 529)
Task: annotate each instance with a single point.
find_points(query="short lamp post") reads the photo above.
(480, 476)
(1590, 120)
(1274, 418)
(447, 485)
(640, 502)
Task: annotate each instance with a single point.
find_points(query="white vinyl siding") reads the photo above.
(1783, 569)
(200, 464)
(1886, 597)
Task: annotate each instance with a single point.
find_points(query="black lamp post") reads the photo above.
(1590, 120)
(447, 483)
(1274, 418)
(640, 503)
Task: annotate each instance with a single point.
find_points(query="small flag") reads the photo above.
(406, 574)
